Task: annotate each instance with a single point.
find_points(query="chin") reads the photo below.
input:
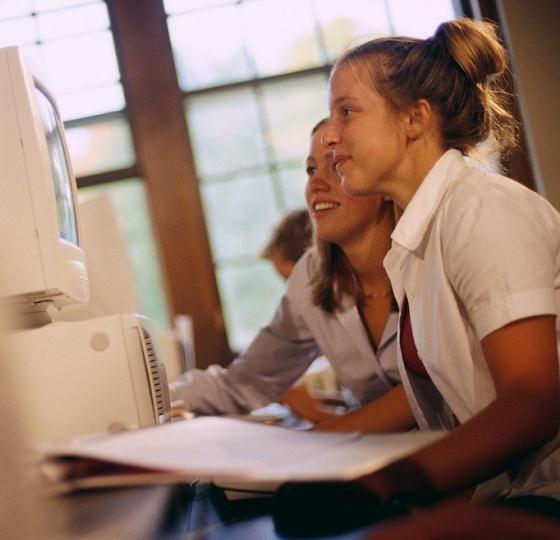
(355, 189)
(327, 234)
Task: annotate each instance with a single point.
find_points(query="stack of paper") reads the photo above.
(225, 451)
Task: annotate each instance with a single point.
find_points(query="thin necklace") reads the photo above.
(374, 296)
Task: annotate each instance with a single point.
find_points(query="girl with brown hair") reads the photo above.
(338, 303)
(474, 265)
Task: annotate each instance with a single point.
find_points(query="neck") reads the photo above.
(421, 157)
(366, 254)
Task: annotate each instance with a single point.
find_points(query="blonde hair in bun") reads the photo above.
(459, 70)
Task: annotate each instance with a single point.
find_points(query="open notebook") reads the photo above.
(225, 451)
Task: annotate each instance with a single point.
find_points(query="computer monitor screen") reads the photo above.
(61, 175)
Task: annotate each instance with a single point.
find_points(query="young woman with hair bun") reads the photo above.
(474, 263)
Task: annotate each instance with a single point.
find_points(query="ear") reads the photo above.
(418, 118)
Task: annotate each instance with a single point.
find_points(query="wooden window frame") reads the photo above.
(164, 161)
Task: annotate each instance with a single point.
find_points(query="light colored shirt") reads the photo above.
(472, 252)
(281, 352)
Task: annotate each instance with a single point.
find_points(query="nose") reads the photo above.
(317, 182)
(330, 138)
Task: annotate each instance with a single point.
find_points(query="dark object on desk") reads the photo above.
(328, 508)
(241, 509)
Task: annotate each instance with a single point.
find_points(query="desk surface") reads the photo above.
(166, 512)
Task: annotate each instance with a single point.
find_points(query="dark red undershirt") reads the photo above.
(408, 348)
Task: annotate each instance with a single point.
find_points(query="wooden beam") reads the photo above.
(165, 162)
(105, 177)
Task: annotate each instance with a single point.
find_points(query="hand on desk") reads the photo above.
(179, 411)
(306, 406)
(390, 413)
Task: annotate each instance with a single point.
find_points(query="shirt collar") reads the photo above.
(416, 218)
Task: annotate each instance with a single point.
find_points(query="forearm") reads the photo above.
(389, 413)
(523, 361)
(275, 359)
(496, 439)
(460, 520)
(491, 442)
(219, 391)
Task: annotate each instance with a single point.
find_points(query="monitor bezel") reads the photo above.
(53, 270)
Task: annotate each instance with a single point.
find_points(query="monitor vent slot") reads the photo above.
(157, 376)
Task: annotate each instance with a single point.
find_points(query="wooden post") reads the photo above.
(165, 162)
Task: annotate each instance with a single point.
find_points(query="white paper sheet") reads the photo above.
(222, 450)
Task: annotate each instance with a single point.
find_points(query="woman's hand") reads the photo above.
(389, 413)
(306, 406)
(404, 479)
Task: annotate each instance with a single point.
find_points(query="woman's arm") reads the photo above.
(275, 359)
(391, 412)
(461, 520)
(523, 361)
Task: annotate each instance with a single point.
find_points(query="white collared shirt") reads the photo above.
(472, 252)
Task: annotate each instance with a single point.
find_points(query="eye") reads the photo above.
(311, 170)
(345, 112)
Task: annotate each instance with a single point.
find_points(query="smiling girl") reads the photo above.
(338, 303)
(475, 261)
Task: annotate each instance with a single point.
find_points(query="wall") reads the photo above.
(532, 32)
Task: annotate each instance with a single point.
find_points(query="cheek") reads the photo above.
(361, 210)
(307, 194)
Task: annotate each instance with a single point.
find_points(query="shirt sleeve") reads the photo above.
(276, 358)
(499, 252)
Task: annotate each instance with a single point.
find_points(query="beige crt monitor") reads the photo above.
(88, 376)
(40, 240)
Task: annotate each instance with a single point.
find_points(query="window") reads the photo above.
(71, 42)
(254, 75)
(130, 200)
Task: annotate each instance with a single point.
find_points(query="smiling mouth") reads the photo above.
(339, 162)
(321, 206)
